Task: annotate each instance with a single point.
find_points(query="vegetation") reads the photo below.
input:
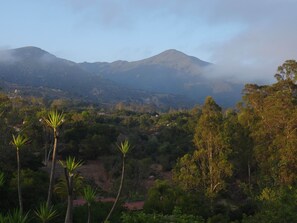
(207, 164)
(54, 120)
(19, 141)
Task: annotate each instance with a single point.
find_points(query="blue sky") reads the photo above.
(246, 38)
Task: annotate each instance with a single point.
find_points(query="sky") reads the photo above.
(245, 39)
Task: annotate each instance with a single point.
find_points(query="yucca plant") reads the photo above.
(45, 213)
(18, 142)
(61, 189)
(70, 166)
(54, 120)
(89, 194)
(17, 217)
(124, 147)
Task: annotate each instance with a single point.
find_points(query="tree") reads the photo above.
(271, 115)
(124, 147)
(70, 166)
(18, 142)
(89, 194)
(54, 120)
(209, 166)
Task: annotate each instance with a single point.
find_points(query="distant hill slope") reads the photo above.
(169, 72)
(169, 79)
(36, 68)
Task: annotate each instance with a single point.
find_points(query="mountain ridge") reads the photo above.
(170, 73)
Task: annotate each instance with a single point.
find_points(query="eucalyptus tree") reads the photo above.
(208, 167)
(124, 147)
(18, 142)
(54, 120)
(70, 166)
(89, 194)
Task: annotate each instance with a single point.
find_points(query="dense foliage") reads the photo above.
(206, 164)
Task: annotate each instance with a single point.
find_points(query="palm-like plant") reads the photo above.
(89, 194)
(45, 213)
(70, 166)
(17, 217)
(18, 142)
(124, 147)
(54, 120)
(61, 189)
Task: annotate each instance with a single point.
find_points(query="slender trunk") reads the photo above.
(53, 168)
(89, 213)
(19, 182)
(69, 181)
(68, 218)
(249, 175)
(119, 191)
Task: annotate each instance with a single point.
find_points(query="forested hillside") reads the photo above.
(75, 162)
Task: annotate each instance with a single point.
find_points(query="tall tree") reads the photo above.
(209, 162)
(272, 114)
(124, 147)
(18, 142)
(89, 194)
(54, 120)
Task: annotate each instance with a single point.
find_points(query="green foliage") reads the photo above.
(161, 198)
(19, 141)
(61, 186)
(45, 213)
(71, 165)
(89, 194)
(34, 187)
(16, 216)
(275, 206)
(98, 213)
(209, 166)
(176, 217)
(54, 119)
(124, 147)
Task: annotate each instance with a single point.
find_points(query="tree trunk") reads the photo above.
(69, 212)
(119, 191)
(53, 168)
(19, 182)
(89, 213)
(68, 218)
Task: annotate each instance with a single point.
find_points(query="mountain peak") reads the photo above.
(31, 51)
(173, 56)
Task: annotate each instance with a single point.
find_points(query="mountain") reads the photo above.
(34, 68)
(169, 79)
(169, 72)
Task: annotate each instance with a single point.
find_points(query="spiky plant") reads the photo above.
(45, 213)
(17, 217)
(124, 147)
(18, 142)
(70, 166)
(54, 120)
(89, 194)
